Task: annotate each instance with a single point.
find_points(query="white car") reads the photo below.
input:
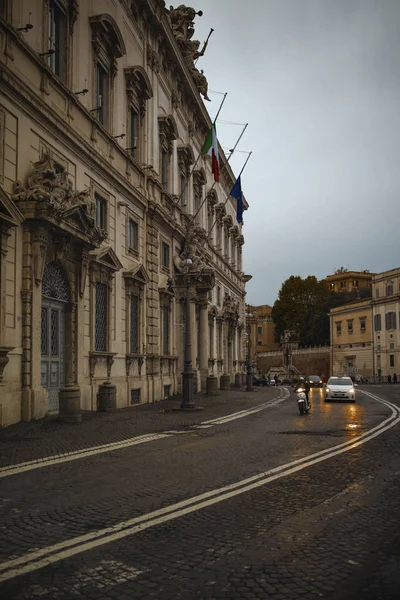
(340, 388)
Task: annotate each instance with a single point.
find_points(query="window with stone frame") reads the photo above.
(165, 256)
(101, 317)
(350, 323)
(338, 327)
(363, 324)
(133, 235)
(391, 359)
(101, 211)
(108, 46)
(138, 92)
(58, 28)
(135, 286)
(168, 132)
(185, 161)
(103, 266)
(378, 322)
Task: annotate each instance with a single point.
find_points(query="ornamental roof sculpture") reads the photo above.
(53, 190)
(182, 24)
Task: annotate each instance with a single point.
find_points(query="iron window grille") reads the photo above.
(134, 325)
(135, 396)
(101, 318)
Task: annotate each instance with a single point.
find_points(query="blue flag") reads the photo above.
(237, 193)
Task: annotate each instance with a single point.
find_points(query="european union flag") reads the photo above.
(237, 193)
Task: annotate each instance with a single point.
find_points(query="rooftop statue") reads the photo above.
(183, 29)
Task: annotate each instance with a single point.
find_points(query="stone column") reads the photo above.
(204, 343)
(193, 332)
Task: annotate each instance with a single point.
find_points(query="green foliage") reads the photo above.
(303, 306)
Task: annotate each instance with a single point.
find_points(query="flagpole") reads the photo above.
(199, 156)
(228, 196)
(239, 138)
(213, 185)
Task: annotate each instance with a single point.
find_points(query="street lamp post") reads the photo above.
(249, 374)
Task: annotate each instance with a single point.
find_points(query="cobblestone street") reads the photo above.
(243, 499)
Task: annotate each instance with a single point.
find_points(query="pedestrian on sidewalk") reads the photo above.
(394, 378)
(389, 379)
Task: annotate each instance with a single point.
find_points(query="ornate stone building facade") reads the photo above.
(102, 202)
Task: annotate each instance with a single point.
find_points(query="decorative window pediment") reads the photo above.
(168, 131)
(106, 35)
(138, 87)
(212, 199)
(138, 274)
(106, 257)
(9, 213)
(228, 222)
(220, 210)
(185, 158)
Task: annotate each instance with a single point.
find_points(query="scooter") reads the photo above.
(302, 402)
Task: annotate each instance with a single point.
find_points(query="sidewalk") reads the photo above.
(50, 437)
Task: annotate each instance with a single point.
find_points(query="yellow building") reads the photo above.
(262, 330)
(349, 281)
(352, 339)
(385, 310)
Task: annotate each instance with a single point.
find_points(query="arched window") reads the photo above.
(55, 284)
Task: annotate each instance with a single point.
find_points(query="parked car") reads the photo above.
(315, 381)
(340, 388)
(260, 381)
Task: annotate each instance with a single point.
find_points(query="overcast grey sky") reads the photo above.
(318, 81)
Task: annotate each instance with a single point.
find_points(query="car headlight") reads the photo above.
(327, 389)
(351, 390)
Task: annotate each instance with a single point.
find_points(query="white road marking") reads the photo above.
(142, 439)
(40, 558)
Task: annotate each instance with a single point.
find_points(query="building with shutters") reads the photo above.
(352, 351)
(386, 315)
(101, 192)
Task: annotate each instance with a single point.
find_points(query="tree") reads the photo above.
(301, 308)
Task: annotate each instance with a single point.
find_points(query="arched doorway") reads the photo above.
(55, 296)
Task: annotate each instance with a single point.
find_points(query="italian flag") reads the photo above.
(211, 147)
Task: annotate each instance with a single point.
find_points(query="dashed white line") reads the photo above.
(40, 558)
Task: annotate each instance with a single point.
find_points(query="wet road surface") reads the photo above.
(229, 507)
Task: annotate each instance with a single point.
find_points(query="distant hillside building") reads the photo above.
(349, 281)
(262, 330)
(385, 315)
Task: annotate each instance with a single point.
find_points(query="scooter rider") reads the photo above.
(305, 384)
